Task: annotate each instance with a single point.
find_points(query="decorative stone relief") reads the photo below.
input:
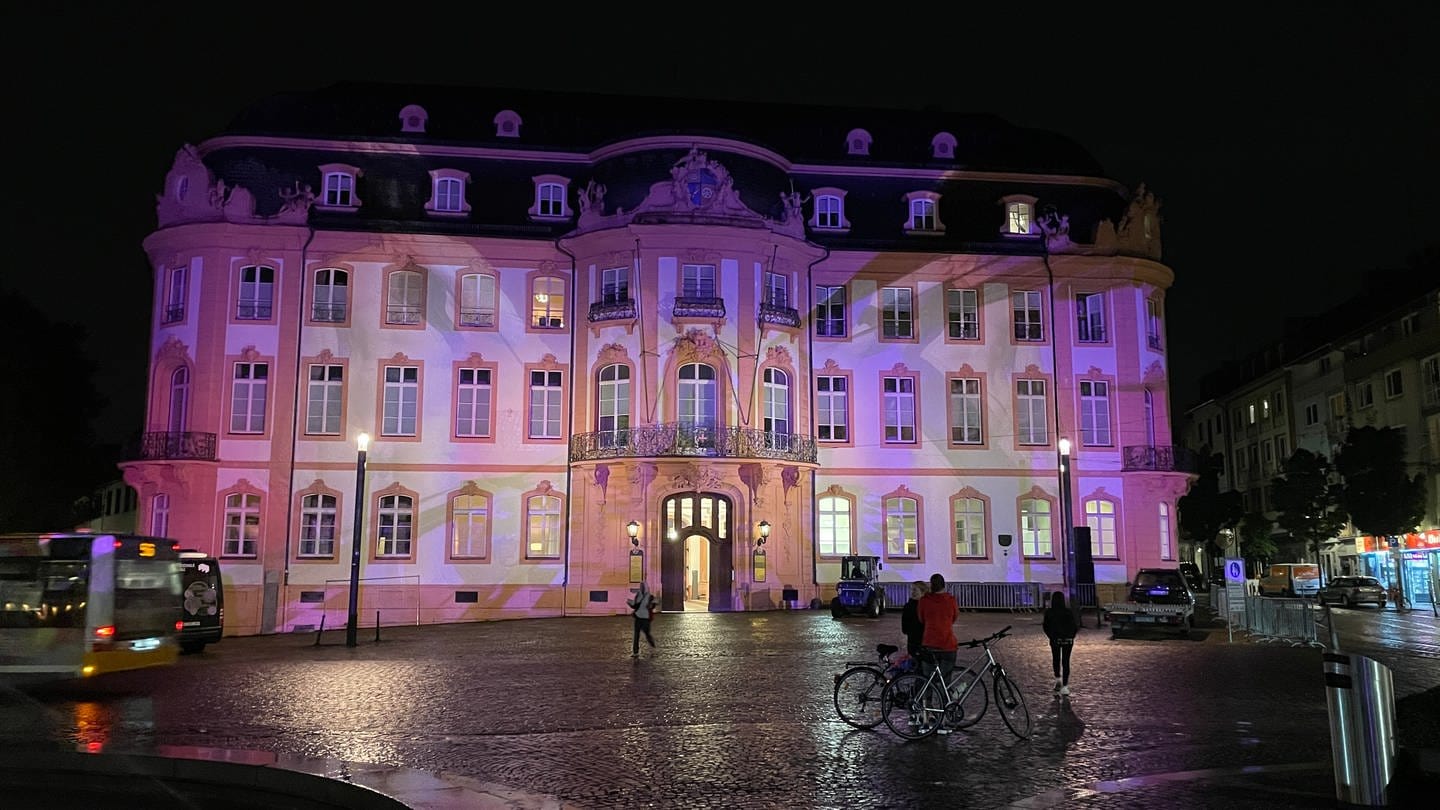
(696, 477)
(789, 479)
(755, 476)
(173, 350)
(612, 353)
(695, 345)
(249, 354)
(1139, 231)
(777, 355)
(602, 480)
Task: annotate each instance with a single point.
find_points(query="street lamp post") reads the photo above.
(1067, 528)
(351, 621)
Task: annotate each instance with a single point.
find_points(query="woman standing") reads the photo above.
(910, 623)
(1060, 629)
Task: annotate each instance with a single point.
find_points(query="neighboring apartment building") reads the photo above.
(714, 344)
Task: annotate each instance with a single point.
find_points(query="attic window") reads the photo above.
(551, 197)
(338, 183)
(413, 118)
(858, 142)
(1019, 215)
(942, 146)
(507, 124)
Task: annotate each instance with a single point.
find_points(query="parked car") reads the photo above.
(859, 589)
(1353, 591)
(1291, 579)
(1158, 598)
(1193, 577)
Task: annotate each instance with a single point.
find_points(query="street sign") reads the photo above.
(1234, 593)
(1234, 571)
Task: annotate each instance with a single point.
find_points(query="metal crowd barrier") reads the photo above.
(978, 595)
(1290, 621)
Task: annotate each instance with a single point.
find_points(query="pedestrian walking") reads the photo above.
(1060, 629)
(642, 607)
(910, 623)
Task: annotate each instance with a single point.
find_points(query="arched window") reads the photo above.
(777, 403)
(969, 517)
(698, 395)
(1149, 418)
(179, 399)
(396, 524)
(407, 291)
(242, 524)
(317, 525)
(834, 526)
(614, 404)
(1035, 537)
(470, 525)
(1100, 517)
(542, 527)
(332, 288)
(477, 300)
(902, 527)
(160, 515)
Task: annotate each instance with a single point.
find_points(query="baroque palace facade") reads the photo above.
(718, 345)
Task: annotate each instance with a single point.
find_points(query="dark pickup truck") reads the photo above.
(1158, 598)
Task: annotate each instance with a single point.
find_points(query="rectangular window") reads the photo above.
(257, 293)
(831, 409)
(965, 412)
(1035, 538)
(697, 281)
(896, 316)
(396, 525)
(830, 311)
(1394, 386)
(403, 305)
(552, 200)
(1267, 457)
(1025, 309)
(827, 211)
(472, 403)
(325, 396)
(1364, 395)
(175, 295)
(331, 295)
(902, 527)
(777, 289)
(542, 532)
(1030, 411)
(1100, 517)
(247, 398)
(962, 314)
(449, 193)
(899, 409)
(834, 526)
(969, 518)
(545, 393)
(1094, 413)
(1324, 365)
(317, 525)
(1152, 323)
(1430, 381)
(614, 285)
(1250, 413)
(402, 400)
(1337, 406)
(922, 215)
(469, 526)
(160, 515)
(1282, 450)
(1090, 317)
(242, 525)
(1312, 413)
(1166, 552)
(339, 189)
(477, 300)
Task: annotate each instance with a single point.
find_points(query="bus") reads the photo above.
(202, 606)
(78, 604)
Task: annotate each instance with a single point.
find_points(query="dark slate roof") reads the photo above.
(574, 121)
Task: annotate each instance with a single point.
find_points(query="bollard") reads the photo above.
(1360, 695)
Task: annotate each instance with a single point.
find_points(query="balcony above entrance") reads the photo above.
(678, 439)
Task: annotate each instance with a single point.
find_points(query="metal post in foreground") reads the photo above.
(352, 619)
(1361, 698)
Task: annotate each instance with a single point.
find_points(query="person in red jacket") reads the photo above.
(938, 611)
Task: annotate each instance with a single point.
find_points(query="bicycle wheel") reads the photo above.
(966, 713)
(857, 696)
(914, 708)
(1011, 705)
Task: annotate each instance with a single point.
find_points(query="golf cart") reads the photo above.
(859, 589)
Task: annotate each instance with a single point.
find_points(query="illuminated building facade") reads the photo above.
(558, 314)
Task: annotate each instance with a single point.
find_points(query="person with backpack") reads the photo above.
(642, 606)
(910, 623)
(1060, 628)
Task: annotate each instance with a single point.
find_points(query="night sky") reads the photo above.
(1293, 148)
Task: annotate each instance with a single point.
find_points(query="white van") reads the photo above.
(1291, 579)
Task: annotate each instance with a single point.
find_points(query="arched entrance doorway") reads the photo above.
(696, 555)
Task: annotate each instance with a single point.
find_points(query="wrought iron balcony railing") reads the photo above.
(619, 309)
(679, 439)
(176, 445)
(699, 307)
(779, 315)
(1163, 458)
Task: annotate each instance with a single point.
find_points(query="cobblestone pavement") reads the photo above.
(735, 711)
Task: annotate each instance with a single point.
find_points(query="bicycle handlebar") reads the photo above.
(993, 637)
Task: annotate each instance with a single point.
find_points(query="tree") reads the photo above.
(1308, 505)
(1256, 544)
(1381, 501)
(1205, 511)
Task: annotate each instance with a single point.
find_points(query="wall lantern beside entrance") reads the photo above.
(758, 558)
(637, 557)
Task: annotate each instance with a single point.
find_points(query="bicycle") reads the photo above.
(916, 706)
(859, 688)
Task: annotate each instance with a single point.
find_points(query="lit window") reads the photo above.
(247, 397)
(469, 526)
(542, 519)
(1100, 517)
(396, 525)
(969, 519)
(547, 306)
(834, 526)
(242, 524)
(902, 527)
(1035, 539)
(326, 395)
(1019, 218)
(317, 525)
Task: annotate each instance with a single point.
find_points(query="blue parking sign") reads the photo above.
(1234, 571)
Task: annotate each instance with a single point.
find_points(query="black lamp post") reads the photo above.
(1067, 520)
(351, 620)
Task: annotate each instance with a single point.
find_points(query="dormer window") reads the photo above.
(551, 197)
(413, 118)
(507, 124)
(448, 192)
(1019, 215)
(942, 146)
(924, 208)
(337, 187)
(829, 210)
(858, 142)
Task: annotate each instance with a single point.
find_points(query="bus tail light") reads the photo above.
(106, 633)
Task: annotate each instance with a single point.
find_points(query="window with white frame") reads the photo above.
(697, 281)
(1035, 539)
(242, 524)
(477, 300)
(469, 526)
(969, 519)
(549, 200)
(829, 211)
(962, 314)
(542, 521)
(966, 414)
(1250, 413)
(325, 395)
(545, 395)
(614, 410)
(338, 186)
(1090, 317)
(1100, 517)
(449, 192)
(899, 397)
(1364, 395)
(1312, 414)
(179, 399)
(776, 384)
(472, 403)
(834, 526)
(396, 525)
(896, 313)
(698, 397)
(547, 302)
(317, 525)
(1019, 218)
(1394, 386)
(401, 406)
(330, 295)
(1030, 412)
(1152, 323)
(1430, 381)
(160, 515)
(902, 527)
(1166, 552)
(404, 303)
(832, 409)
(922, 215)
(615, 285)
(1094, 413)
(1265, 408)
(257, 294)
(830, 311)
(1026, 315)
(175, 295)
(777, 289)
(247, 397)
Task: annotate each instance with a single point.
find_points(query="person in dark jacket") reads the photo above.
(1060, 629)
(910, 623)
